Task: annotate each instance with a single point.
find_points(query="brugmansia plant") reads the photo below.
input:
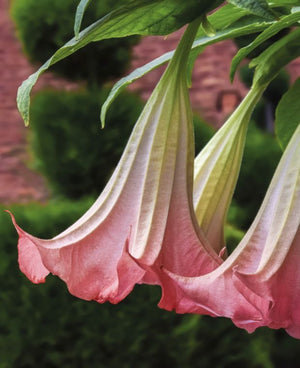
(160, 219)
(144, 218)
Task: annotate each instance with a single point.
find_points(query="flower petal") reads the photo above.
(216, 170)
(259, 283)
(274, 242)
(144, 218)
(29, 258)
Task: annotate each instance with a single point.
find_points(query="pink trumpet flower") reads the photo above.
(144, 219)
(259, 283)
(216, 171)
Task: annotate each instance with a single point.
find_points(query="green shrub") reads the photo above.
(264, 112)
(44, 326)
(203, 132)
(45, 25)
(69, 146)
(233, 236)
(262, 154)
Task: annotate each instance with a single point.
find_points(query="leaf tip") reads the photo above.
(102, 118)
(232, 71)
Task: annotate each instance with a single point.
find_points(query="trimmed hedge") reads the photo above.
(44, 326)
(69, 146)
(43, 26)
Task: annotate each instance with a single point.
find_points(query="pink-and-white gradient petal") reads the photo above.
(144, 218)
(259, 283)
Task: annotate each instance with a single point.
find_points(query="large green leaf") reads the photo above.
(257, 7)
(79, 15)
(224, 17)
(198, 46)
(284, 22)
(269, 63)
(288, 114)
(143, 17)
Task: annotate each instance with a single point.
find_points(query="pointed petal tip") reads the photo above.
(12, 218)
(30, 261)
(17, 227)
(29, 258)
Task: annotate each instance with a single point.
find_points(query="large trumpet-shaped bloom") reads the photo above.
(259, 283)
(144, 220)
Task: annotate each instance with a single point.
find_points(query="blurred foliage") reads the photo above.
(202, 132)
(262, 154)
(233, 236)
(276, 88)
(69, 146)
(44, 326)
(44, 26)
(264, 112)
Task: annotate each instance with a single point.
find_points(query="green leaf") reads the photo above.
(257, 7)
(224, 17)
(295, 9)
(269, 63)
(198, 46)
(287, 116)
(143, 17)
(284, 22)
(79, 15)
(284, 2)
(207, 26)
